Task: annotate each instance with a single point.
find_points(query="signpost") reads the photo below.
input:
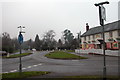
(102, 17)
(103, 12)
(20, 39)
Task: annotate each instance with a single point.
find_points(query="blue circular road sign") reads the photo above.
(20, 38)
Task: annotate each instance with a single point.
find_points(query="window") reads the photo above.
(119, 33)
(97, 36)
(93, 37)
(101, 35)
(110, 34)
(85, 38)
(89, 37)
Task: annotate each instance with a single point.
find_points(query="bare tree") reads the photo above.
(49, 35)
(6, 42)
(48, 39)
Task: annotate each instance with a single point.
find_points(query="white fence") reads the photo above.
(99, 51)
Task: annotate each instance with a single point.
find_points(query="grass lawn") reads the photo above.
(24, 74)
(70, 51)
(94, 77)
(15, 51)
(17, 55)
(63, 55)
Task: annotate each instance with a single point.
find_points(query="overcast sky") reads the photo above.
(39, 16)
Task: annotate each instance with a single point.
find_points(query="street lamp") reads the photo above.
(102, 18)
(20, 39)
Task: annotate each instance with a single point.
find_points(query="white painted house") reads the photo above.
(92, 39)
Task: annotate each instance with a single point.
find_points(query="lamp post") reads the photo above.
(102, 17)
(20, 39)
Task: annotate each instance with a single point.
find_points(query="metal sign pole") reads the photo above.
(102, 25)
(20, 65)
(118, 58)
(104, 58)
(20, 38)
(102, 17)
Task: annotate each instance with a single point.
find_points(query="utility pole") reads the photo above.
(20, 39)
(102, 17)
(79, 38)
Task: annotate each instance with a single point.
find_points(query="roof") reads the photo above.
(108, 27)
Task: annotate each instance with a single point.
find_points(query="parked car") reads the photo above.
(33, 49)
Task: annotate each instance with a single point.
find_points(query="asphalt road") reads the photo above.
(59, 68)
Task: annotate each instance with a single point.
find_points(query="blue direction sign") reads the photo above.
(20, 38)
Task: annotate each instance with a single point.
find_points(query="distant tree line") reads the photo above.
(8, 44)
(68, 41)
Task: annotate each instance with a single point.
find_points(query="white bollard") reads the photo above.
(8, 54)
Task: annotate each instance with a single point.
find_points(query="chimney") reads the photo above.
(87, 27)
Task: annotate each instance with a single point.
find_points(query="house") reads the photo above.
(92, 39)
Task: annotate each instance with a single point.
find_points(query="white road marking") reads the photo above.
(4, 72)
(13, 71)
(75, 60)
(29, 66)
(23, 68)
(39, 64)
(35, 65)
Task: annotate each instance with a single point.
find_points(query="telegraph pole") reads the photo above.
(102, 17)
(20, 39)
(79, 37)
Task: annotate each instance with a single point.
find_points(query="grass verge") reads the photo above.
(24, 74)
(70, 51)
(17, 55)
(63, 55)
(94, 77)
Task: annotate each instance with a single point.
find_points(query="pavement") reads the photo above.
(60, 68)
